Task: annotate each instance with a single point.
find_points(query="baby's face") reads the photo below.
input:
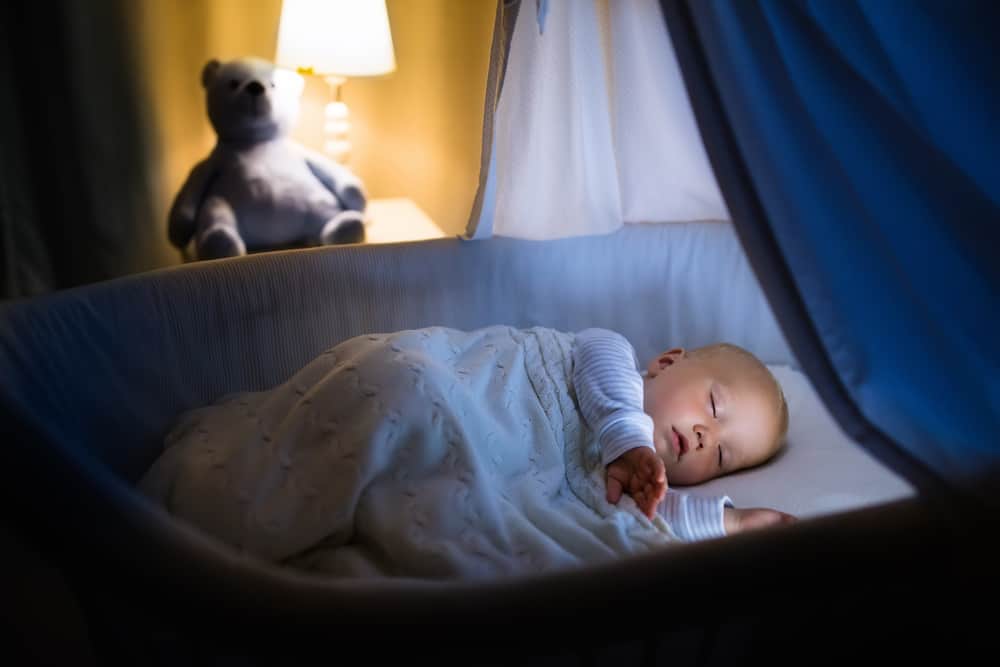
(711, 415)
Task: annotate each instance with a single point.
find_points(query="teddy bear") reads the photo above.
(258, 189)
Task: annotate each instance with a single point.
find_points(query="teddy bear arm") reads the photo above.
(338, 179)
(184, 211)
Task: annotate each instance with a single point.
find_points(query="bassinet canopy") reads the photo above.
(857, 167)
(855, 147)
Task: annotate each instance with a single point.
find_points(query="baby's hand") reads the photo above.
(640, 473)
(740, 520)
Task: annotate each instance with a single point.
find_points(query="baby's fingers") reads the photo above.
(653, 477)
(642, 502)
(614, 490)
(657, 490)
(655, 470)
(646, 502)
(660, 473)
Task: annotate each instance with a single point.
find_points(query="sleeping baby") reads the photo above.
(437, 453)
(689, 418)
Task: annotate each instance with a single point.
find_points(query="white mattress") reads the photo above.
(821, 470)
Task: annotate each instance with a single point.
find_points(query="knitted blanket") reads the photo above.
(430, 454)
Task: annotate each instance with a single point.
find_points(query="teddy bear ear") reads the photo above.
(208, 72)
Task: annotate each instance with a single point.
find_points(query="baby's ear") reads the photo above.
(668, 358)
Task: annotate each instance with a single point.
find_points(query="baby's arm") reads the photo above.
(692, 517)
(751, 518)
(608, 387)
(609, 391)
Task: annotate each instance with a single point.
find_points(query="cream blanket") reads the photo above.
(430, 453)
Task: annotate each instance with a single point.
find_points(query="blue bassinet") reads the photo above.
(890, 549)
(93, 377)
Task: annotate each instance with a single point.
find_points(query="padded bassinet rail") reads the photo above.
(91, 378)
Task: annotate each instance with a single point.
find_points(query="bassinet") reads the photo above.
(91, 378)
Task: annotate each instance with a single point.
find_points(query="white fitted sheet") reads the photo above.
(821, 470)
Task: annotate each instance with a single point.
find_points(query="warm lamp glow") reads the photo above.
(335, 37)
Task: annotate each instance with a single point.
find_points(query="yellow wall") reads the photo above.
(416, 132)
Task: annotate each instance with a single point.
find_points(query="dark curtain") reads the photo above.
(857, 145)
(75, 203)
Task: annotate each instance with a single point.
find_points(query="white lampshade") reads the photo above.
(335, 37)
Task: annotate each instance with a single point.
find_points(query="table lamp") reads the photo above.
(335, 39)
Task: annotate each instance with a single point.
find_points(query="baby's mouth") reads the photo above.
(680, 443)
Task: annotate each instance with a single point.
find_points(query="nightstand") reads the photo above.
(396, 219)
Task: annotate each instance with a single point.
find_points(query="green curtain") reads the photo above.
(75, 196)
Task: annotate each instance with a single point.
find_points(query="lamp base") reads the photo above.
(336, 124)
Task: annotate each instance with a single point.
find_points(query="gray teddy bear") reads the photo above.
(259, 190)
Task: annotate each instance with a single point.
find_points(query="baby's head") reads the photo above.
(715, 410)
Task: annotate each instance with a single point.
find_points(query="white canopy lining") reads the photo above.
(593, 127)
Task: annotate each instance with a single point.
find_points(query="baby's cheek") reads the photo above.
(675, 472)
(687, 473)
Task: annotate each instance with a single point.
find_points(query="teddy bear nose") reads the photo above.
(255, 88)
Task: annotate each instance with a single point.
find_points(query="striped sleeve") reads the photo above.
(609, 391)
(693, 517)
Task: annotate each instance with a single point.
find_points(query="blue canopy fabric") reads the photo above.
(856, 145)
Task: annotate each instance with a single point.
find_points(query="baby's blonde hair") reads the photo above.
(771, 382)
